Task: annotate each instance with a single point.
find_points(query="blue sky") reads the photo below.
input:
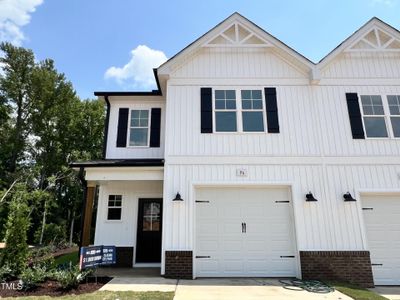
(112, 45)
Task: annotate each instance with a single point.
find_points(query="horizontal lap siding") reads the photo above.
(329, 224)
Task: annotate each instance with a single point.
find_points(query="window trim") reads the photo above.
(239, 110)
(108, 207)
(262, 110)
(386, 115)
(148, 128)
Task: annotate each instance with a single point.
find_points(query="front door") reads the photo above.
(148, 245)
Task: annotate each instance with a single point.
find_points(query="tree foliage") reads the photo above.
(44, 126)
(15, 253)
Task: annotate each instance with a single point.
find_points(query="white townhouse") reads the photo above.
(251, 160)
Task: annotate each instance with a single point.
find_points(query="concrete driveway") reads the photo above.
(245, 289)
(390, 292)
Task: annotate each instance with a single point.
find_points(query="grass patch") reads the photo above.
(67, 258)
(356, 292)
(110, 296)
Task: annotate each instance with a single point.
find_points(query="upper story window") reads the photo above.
(139, 128)
(381, 115)
(225, 111)
(374, 116)
(114, 207)
(234, 114)
(394, 108)
(252, 111)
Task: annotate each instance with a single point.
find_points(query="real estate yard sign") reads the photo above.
(94, 256)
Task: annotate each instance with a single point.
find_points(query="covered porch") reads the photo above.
(122, 207)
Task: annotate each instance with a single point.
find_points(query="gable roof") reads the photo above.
(236, 18)
(360, 35)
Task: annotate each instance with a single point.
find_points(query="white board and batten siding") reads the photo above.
(314, 150)
(122, 232)
(144, 102)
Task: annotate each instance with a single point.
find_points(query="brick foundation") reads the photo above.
(348, 266)
(179, 264)
(124, 257)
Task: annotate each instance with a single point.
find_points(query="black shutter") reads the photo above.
(272, 110)
(355, 116)
(123, 115)
(155, 127)
(206, 110)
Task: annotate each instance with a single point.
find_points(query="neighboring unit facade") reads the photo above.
(268, 152)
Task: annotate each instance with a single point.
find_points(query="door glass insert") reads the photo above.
(151, 216)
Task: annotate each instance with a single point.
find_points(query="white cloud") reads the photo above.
(13, 15)
(138, 72)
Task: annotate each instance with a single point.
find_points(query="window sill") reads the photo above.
(114, 221)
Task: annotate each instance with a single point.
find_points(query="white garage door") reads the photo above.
(382, 221)
(244, 232)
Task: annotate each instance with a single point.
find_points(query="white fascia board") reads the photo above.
(167, 67)
(124, 173)
(352, 39)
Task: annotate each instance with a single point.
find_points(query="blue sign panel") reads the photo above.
(93, 256)
(109, 255)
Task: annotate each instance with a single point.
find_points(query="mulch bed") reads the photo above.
(52, 288)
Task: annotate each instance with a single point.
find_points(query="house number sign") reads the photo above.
(241, 172)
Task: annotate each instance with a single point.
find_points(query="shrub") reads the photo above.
(31, 277)
(70, 277)
(6, 272)
(15, 254)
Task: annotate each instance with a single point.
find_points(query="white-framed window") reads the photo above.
(139, 128)
(239, 110)
(114, 207)
(381, 115)
(394, 109)
(225, 111)
(252, 111)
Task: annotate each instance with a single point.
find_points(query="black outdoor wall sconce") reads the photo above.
(348, 197)
(177, 197)
(310, 197)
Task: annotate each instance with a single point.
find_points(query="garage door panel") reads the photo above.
(256, 252)
(382, 224)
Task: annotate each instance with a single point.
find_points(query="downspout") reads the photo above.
(81, 177)
(106, 127)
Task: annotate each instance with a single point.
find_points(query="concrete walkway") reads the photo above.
(148, 284)
(218, 289)
(390, 292)
(245, 289)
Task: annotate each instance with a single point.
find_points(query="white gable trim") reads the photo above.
(236, 18)
(346, 45)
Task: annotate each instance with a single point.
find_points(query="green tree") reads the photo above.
(15, 99)
(16, 250)
(43, 127)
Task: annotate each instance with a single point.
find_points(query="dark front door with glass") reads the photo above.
(148, 245)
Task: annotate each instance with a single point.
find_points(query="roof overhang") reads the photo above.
(166, 68)
(121, 170)
(374, 22)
